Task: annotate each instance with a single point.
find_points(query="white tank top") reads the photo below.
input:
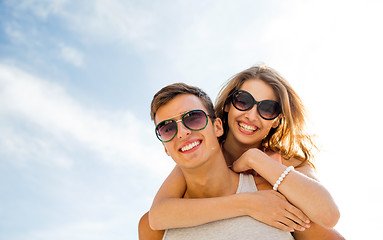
(240, 228)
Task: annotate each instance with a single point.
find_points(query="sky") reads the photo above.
(78, 155)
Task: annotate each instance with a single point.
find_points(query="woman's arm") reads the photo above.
(170, 210)
(302, 191)
(145, 232)
(317, 232)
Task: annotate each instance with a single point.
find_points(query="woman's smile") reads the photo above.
(247, 128)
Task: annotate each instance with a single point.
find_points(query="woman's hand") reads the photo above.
(272, 208)
(243, 163)
(302, 191)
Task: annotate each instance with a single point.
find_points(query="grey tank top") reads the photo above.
(243, 227)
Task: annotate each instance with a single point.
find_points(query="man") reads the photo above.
(187, 127)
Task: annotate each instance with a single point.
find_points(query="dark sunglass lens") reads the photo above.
(243, 101)
(166, 130)
(269, 109)
(195, 120)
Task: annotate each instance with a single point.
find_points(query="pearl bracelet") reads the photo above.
(283, 175)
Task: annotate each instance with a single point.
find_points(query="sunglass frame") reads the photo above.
(255, 102)
(181, 120)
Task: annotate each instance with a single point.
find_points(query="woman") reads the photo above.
(262, 116)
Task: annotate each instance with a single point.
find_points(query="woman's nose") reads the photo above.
(252, 114)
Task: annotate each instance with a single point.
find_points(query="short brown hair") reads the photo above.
(167, 93)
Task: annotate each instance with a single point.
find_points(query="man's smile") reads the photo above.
(190, 146)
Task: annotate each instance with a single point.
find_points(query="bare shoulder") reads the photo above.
(304, 168)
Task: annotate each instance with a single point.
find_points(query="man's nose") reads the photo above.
(183, 131)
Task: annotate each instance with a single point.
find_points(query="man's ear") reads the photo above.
(166, 150)
(218, 127)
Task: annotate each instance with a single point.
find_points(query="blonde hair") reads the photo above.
(290, 137)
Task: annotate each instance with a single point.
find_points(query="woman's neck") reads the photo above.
(232, 149)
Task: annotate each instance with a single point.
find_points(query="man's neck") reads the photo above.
(213, 179)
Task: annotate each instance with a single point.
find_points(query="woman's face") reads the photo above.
(248, 127)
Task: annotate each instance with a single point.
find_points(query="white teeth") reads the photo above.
(190, 146)
(247, 127)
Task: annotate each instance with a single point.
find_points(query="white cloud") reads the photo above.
(83, 230)
(126, 22)
(71, 55)
(42, 8)
(13, 31)
(74, 161)
(53, 121)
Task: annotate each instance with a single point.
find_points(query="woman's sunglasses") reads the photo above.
(194, 120)
(267, 109)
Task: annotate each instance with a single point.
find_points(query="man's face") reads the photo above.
(190, 149)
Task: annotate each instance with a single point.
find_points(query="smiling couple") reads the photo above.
(258, 124)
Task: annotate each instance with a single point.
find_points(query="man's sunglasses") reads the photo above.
(267, 109)
(194, 120)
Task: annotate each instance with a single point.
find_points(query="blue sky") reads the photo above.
(78, 154)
